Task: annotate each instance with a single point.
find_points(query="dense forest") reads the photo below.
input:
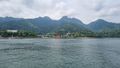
(65, 28)
(17, 34)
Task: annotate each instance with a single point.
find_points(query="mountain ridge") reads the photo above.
(101, 25)
(48, 25)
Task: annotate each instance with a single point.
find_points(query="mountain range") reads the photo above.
(48, 25)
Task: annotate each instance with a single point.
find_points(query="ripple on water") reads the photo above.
(51, 53)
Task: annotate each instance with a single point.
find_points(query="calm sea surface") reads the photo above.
(60, 53)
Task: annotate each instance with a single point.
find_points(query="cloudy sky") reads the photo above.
(85, 10)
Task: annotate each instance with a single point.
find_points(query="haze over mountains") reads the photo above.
(47, 25)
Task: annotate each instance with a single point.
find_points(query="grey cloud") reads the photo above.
(4, 0)
(85, 10)
(28, 3)
(99, 6)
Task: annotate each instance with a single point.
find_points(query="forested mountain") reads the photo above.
(42, 24)
(102, 25)
(47, 25)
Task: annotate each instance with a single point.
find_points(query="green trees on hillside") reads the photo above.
(17, 34)
(107, 33)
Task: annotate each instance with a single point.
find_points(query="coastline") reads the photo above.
(54, 38)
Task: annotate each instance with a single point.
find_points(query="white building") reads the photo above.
(13, 31)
